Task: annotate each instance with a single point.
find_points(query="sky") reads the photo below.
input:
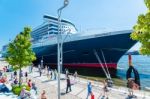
(85, 14)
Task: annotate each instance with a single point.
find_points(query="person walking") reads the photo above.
(15, 81)
(26, 75)
(75, 76)
(1, 73)
(34, 87)
(30, 83)
(52, 74)
(89, 89)
(29, 67)
(55, 74)
(68, 84)
(15, 74)
(67, 72)
(132, 86)
(39, 67)
(21, 74)
(48, 72)
(40, 71)
(11, 77)
(105, 90)
(32, 67)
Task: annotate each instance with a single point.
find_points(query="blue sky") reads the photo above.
(85, 14)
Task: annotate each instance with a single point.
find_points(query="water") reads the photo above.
(141, 63)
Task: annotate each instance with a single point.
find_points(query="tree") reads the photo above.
(19, 52)
(141, 31)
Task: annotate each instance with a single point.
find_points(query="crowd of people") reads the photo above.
(105, 90)
(52, 75)
(10, 79)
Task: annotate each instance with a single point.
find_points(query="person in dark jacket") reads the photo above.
(68, 84)
(26, 75)
(15, 74)
(1, 73)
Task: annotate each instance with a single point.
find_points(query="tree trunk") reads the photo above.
(20, 77)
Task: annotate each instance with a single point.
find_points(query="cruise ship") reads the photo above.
(78, 48)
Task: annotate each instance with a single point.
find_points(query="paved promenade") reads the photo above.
(79, 89)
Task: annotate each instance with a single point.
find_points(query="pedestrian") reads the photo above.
(40, 71)
(29, 67)
(132, 86)
(11, 76)
(67, 72)
(23, 93)
(4, 69)
(105, 90)
(21, 76)
(1, 73)
(34, 87)
(16, 81)
(89, 87)
(55, 74)
(39, 67)
(30, 83)
(32, 67)
(48, 76)
(48, 67)
(68, 84)
(21, 73)
(15, 74)
(45, 69)
(75, 75)
(51, 74)
(26, 75)
(43, 95)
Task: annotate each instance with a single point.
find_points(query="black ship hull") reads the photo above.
(79, 54)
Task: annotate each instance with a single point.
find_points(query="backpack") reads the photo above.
(92, 96)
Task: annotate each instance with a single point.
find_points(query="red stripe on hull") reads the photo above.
(86, 65)
(91, 65)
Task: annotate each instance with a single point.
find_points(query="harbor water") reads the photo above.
(141, 63)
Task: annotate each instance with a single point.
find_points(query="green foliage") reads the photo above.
(16, 89)
(19, 53)
(141, 31)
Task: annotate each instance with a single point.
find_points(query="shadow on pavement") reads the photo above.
(47, 81)
(63, 93)
(36, 76)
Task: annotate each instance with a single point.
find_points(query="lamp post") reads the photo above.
(59, 45)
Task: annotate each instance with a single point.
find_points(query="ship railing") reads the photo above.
(112, 33)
